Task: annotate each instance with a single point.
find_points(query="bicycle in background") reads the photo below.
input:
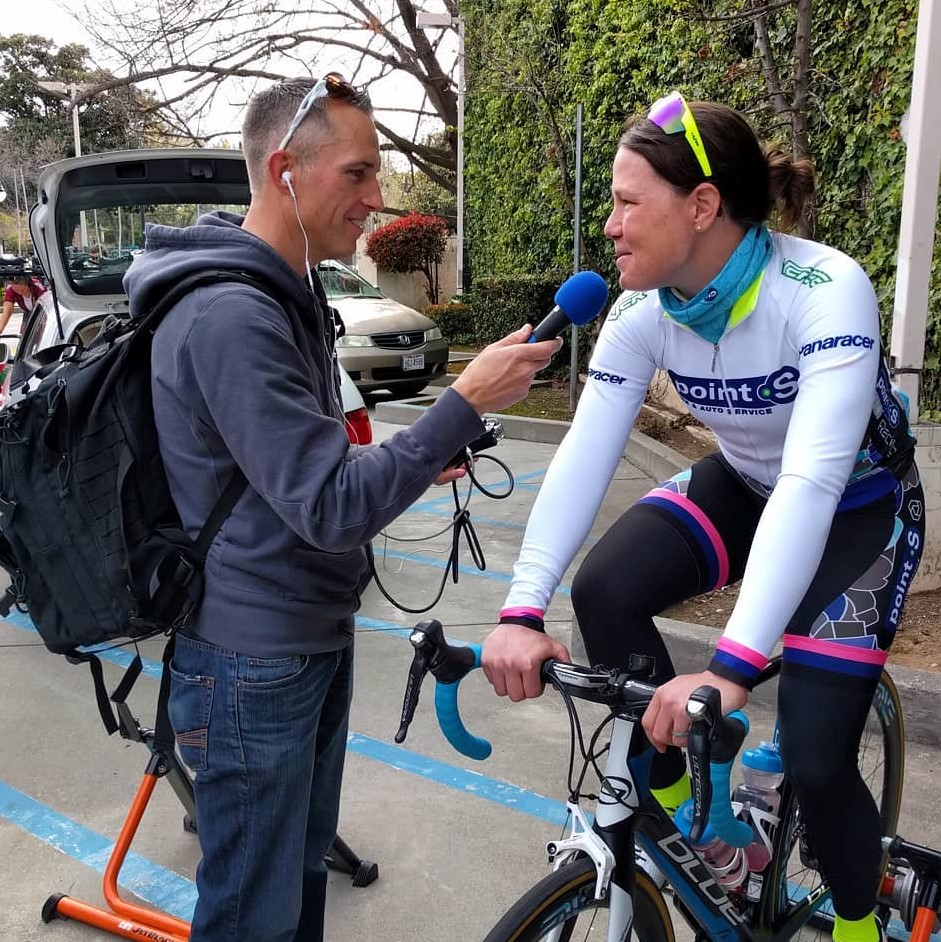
(611, 875)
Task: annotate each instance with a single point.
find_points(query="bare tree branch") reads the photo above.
(769, 66)
(195, 50)
(757, 8)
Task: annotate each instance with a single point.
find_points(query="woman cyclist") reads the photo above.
(813, 500)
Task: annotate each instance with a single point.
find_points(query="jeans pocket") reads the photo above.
(190, 709)
(272, 671)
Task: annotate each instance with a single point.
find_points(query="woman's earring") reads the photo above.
(699, 228)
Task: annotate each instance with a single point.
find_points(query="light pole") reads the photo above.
(445, 19)
(71, 92)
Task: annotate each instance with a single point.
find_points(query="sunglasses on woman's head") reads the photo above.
(674, 116)
(332, 85)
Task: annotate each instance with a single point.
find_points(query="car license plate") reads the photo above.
(413, 361)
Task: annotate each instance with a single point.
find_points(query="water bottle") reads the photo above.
(758, 795)
(727, 864)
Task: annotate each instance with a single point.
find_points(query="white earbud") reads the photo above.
(286, 176)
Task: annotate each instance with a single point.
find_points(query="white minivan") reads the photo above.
(88, 226)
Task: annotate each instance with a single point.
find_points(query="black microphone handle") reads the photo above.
(551, 325)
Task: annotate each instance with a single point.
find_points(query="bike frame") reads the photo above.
(627, 815)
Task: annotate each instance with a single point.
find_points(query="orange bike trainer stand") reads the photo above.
(131, 920)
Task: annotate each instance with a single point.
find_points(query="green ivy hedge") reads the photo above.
(496, 306)
(456, 322)
(531, 62)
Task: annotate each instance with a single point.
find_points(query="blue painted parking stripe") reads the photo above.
(440, 772)
(163, 888)
(446, 501)
(470, 783)
(177, 895)
(464, 570)
(122, 657)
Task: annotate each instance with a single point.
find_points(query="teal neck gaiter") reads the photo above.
(707, 314)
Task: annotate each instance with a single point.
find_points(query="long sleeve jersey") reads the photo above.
(799, 399)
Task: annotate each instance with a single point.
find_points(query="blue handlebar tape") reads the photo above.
(729, 828)
(449, 719)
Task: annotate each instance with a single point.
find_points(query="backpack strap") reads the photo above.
(163, 730)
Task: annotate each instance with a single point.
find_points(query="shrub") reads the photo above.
(456, 322)
(503, 304)
(412, 243)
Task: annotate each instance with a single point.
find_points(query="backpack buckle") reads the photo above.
(175, 589)
(7, 508)
(175, 569)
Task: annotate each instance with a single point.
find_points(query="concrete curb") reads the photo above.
(691, 645)
(644, 452)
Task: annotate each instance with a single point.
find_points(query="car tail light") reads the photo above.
(358, 427)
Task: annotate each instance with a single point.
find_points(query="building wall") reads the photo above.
(928, 456)
(410, 289)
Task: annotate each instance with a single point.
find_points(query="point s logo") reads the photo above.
(739, 394)
(911, 544)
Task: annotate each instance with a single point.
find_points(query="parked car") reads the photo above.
(101, 202)
(386, 345)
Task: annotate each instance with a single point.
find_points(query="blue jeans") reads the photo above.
(266, 739)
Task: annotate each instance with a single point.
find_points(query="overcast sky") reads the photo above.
(44, 18)
(50, 18)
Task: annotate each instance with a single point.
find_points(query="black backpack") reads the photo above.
(89, 533)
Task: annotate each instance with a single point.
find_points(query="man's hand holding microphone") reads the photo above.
(502, 373)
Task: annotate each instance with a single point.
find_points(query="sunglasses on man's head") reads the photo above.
(674, 116)
(332, 85)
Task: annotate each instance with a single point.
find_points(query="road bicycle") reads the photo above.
(610, 874)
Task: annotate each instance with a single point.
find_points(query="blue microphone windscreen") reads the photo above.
(582, 296)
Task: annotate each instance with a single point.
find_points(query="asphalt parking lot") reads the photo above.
(455, 841)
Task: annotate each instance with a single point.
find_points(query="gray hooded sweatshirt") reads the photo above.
(232, 387)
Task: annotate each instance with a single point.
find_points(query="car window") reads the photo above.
(342, 282)
(107, 236)
(31, 342)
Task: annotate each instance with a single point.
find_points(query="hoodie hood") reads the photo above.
(216, 241)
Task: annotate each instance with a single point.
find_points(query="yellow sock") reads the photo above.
(671, 797)
(856, 930)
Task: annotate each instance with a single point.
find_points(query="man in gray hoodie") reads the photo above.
(262, 677)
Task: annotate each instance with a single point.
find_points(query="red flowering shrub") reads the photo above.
(412, 243)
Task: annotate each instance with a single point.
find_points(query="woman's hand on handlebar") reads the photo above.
(512, 660)
(665, 721)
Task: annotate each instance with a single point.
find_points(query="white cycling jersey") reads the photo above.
(797, 395)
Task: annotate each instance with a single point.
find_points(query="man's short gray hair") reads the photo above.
(269, 115)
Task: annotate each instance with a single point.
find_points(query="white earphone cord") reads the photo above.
(335, 384)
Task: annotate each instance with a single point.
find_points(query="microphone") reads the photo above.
(578, 301)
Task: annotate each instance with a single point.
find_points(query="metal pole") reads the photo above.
(25, 200)
(919, 208)
(73, 104)
(460, 155)
(576, 252)
(19, 233)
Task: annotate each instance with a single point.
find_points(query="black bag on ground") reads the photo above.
(89, 533)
